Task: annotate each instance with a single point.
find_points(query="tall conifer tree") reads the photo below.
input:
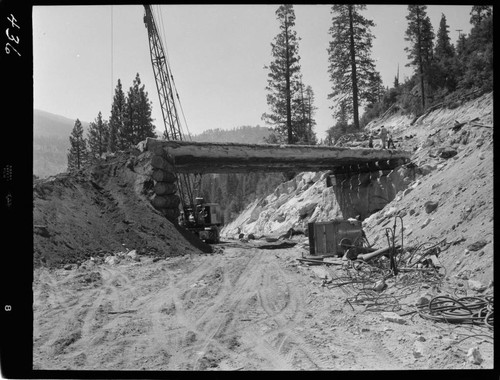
(351, 69)
(116, 120)
(98, 136)
(421, 36)
(77, 155)
(138, 123)
(284, 76)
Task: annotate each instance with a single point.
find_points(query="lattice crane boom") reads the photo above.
(163, 79)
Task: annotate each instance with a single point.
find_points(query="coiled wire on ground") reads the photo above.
(473, 310)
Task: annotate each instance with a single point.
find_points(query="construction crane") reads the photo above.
(201, 218)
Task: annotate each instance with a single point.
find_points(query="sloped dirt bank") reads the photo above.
(99, 212)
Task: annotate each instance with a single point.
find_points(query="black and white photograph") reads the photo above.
(258, 187)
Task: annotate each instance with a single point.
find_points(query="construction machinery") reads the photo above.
(203, 219)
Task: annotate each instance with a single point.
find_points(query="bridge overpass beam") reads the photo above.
(203, 157)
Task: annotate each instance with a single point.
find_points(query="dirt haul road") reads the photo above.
(244, 308)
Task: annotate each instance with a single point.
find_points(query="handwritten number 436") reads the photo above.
(13, 38)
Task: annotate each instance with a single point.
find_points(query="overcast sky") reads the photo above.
(217, 55)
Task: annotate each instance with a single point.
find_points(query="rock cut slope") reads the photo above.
(453, 172)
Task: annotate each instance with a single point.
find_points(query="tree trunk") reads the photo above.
(353, 70)
(287, 89)
(420, 63)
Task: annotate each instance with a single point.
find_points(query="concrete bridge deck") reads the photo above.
(204, 157)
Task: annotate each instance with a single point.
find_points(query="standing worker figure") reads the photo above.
(383, 136)
(370, 141)
(390, 143)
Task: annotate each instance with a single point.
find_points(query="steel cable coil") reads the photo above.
(471, 310)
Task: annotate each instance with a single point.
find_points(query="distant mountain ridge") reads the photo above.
(51, 140)
(50, 124)
(244, 134)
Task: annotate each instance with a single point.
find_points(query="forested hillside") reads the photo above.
(246, 134)
(235, 191)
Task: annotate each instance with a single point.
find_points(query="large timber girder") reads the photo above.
(204, 157)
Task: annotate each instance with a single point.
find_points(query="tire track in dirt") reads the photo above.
(237, 304)
(61, 318)
(210, 324)
(282, 338)
(172, 324)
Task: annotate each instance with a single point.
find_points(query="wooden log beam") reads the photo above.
(198, 157)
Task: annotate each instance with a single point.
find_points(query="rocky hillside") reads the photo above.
(448, 195)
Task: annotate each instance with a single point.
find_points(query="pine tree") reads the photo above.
(480, 12)
(138, 123)
(77, 155)
(97, 137)
(352, 70)
(116, 120)
(420, 35)
(284, 76)
(444, 48)
(303, 116)
(443, 73)
(476, 57)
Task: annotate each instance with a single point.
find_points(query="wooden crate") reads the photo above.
(325, 237)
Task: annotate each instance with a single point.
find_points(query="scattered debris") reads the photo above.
(282, 245)
(393, 317)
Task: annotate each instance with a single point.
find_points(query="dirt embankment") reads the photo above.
(99, 212)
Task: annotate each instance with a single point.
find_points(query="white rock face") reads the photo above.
(293, 204)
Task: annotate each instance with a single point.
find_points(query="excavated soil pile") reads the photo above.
(101, 211)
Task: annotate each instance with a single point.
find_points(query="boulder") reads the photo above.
(476, 286)
(476, 246)
(430, 206)
(307, 209)
(474, 356)
(448, 153)
(112, 260)
(426, 169)
(133, 255)
(418, 349)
